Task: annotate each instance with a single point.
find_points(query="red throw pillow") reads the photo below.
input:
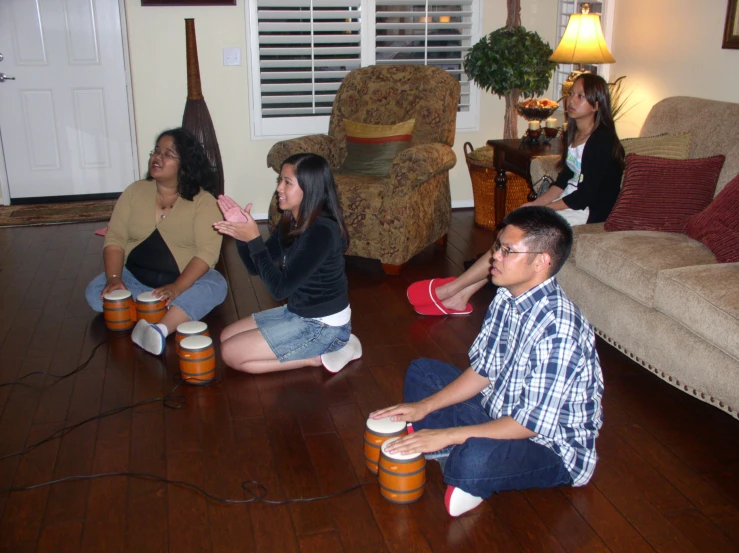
(717, 226)
(660, 194)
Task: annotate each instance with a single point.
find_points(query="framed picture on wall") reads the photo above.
(188, 2)
(731, 31)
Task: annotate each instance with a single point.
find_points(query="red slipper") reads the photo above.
(419, 293)
(437, 308)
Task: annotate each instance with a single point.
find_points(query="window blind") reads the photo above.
(306, 47)
(426, 32)
(301, 50)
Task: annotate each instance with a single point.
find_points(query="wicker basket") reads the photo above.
(481, 164)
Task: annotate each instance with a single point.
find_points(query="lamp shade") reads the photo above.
(583, 41)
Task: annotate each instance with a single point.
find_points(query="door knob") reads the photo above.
(1, 57)
(4, 77)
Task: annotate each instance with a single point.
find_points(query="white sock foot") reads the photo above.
(458, 501)
(337, 360)
(150, 337)
(137, 335)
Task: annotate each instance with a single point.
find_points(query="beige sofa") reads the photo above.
(660, 297)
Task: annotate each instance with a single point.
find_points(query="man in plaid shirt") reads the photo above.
(527, 411)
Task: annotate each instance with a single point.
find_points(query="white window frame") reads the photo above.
(564, 9)
(288, 127)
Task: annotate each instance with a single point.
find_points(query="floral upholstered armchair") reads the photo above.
(395, 217)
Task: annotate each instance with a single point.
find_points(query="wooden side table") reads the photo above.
(515, 156)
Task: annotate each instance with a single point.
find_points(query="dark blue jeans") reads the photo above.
(480, 466)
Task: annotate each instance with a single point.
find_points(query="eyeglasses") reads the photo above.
(505, 251)
(167, 155)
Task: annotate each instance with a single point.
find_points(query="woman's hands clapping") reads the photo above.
(239, 223)
(231, 210)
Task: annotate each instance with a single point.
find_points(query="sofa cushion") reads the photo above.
(704, 299)
(629, 261)
(669, 146)
(659, 194)
(582, 230)
(371, 149)
(717, 226)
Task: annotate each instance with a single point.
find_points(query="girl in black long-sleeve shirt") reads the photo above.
(592, 165)
(303, 262)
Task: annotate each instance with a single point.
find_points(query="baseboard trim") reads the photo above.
(463, 204)
(61, 199)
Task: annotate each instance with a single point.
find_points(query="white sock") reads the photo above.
(458, 501)
(337, 360)
(137, 335)
(150, 337)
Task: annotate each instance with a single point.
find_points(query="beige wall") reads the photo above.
(156, 40)
(672, 48)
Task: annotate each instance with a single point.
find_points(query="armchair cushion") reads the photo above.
(371, 149)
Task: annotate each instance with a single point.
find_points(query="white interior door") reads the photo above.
(64, 119)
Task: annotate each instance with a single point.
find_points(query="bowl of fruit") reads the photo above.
(536, 109)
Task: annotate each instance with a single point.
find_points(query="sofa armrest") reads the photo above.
(321, 144)
(541, 167)
(418, 164)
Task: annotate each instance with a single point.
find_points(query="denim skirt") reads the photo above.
(292, 337)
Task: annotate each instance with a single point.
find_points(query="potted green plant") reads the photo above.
(511, 62)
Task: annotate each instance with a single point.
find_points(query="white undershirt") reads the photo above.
(574, 162)
(337, 319)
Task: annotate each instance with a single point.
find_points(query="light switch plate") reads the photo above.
(232, 56)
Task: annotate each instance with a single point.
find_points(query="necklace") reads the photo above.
(167, 208)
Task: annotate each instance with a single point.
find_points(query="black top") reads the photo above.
(601, 176)
(311, 275)
(152, 263)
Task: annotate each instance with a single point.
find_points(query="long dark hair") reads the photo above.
(597, 94)
(195, 170)
(316, 180)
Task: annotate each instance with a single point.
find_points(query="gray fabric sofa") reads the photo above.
(660, 297)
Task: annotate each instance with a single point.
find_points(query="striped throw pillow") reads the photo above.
(371, 149)
(717, 226)
(670, 146)
(660, 194)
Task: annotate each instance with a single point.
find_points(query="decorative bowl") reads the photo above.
(536, 110)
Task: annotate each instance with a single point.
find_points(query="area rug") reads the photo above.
(55, 214)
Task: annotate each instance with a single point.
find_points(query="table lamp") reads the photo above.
(581, 43)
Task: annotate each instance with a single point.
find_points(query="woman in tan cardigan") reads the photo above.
(161, 239)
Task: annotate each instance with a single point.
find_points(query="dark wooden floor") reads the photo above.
(667, 480)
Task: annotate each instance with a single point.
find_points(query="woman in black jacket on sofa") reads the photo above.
(585, 192)
(592, 165)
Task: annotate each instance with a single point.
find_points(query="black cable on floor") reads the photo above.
(63, 376)
(258, 495)
(169, 401)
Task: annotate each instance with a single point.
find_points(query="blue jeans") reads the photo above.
(197, 301)
(480, 466)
